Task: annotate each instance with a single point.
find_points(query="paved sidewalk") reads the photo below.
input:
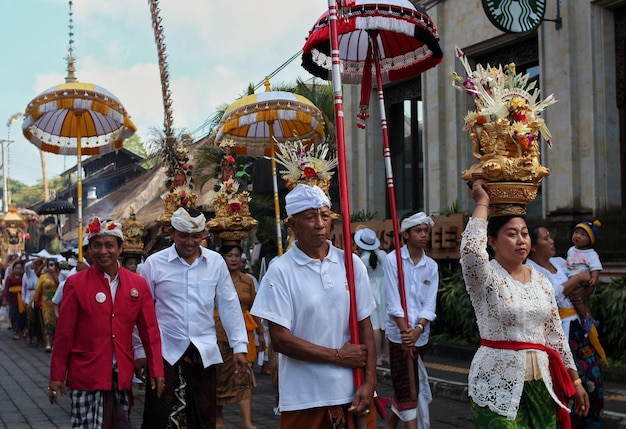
(24, 403)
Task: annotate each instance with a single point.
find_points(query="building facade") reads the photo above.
(582, 62)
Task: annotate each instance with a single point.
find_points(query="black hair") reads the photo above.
(533, 233)
(193, 212)
(128, 257)
(228, 247)
(373, 260)
(495, 224)
(18, 262)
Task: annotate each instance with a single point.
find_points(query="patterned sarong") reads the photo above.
(188, 399)
(336, 417)
(400, 377)
(99, 409)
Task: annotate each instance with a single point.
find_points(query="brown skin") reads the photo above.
(543, 249)
(511, 247)
(313, 228)
(105, 251)
(416, 239)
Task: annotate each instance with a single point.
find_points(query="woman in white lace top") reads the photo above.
(524, 362)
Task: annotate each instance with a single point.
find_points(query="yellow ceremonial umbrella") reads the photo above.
(254, 121)
(77, 119)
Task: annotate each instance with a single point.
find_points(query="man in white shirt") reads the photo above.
(304, 296)
(78, 266)
(189, 282)
(421, 282)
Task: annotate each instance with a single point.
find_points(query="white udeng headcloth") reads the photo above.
(97, 227)
(416, 219)
(304, 197)
(183, 222)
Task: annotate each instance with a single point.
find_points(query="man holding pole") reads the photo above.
(304, 295)
(407, 341)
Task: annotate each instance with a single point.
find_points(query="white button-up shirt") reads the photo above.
(421, 282)
(185, 299)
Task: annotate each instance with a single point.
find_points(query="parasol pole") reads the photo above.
(344, 199)
(392, 204)
(279, 234)
(79, 185)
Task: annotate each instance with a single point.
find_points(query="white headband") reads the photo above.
(96, 228)
(416, 219)
(183, 222)
(304, 197)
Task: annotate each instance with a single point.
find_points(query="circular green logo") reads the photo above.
(515, 16)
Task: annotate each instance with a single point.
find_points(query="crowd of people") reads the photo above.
(190, 322)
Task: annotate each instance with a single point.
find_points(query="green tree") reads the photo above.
(136, 146)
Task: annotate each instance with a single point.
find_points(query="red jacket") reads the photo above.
(90, 328)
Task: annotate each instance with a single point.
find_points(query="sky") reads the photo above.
(215, 49)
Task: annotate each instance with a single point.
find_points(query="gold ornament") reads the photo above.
(132, 228)
(504, 130)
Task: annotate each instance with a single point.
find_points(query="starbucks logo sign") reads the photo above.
(515, 16)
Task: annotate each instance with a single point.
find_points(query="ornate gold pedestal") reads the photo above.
(232, 222)
(510, 198)
(512, 169)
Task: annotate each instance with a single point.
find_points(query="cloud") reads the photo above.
(215, 49)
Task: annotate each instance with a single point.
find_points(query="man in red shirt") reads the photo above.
(93, 353)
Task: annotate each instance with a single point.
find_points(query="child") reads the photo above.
(582, 257)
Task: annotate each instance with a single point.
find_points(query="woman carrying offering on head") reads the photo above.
(523, 374)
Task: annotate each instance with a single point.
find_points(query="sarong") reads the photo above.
(336, 417)
(532, 412)
(99, 409)
(188, 399)
(400, 379)
(561, 382)
(590, 371)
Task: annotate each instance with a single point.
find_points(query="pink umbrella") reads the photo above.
(392, 41)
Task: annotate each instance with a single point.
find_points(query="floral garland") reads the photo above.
(502, 95)
(95, 226)
(306, 163)
(180, 196)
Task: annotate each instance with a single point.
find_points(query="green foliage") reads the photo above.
(136, 146)
(363, 216)
(452, 209)
(455, 321)
(23, 195)
(608, 305)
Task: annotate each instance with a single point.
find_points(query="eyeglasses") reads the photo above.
(51, 264)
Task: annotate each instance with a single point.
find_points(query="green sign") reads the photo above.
(515, 16)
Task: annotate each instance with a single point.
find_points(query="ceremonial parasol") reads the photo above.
(56, 207)
(79, 119)
(394, 40)
(254, 121)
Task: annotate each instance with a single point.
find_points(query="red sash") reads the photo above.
(562, 383)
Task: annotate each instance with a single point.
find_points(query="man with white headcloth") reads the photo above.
(304, 295)
(93, 353)
(421, 281)
(190, 282)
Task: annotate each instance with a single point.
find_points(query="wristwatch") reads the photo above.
(419, 325)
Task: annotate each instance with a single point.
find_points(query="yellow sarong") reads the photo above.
(251, 325)
(594, 338)
(18, 291)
